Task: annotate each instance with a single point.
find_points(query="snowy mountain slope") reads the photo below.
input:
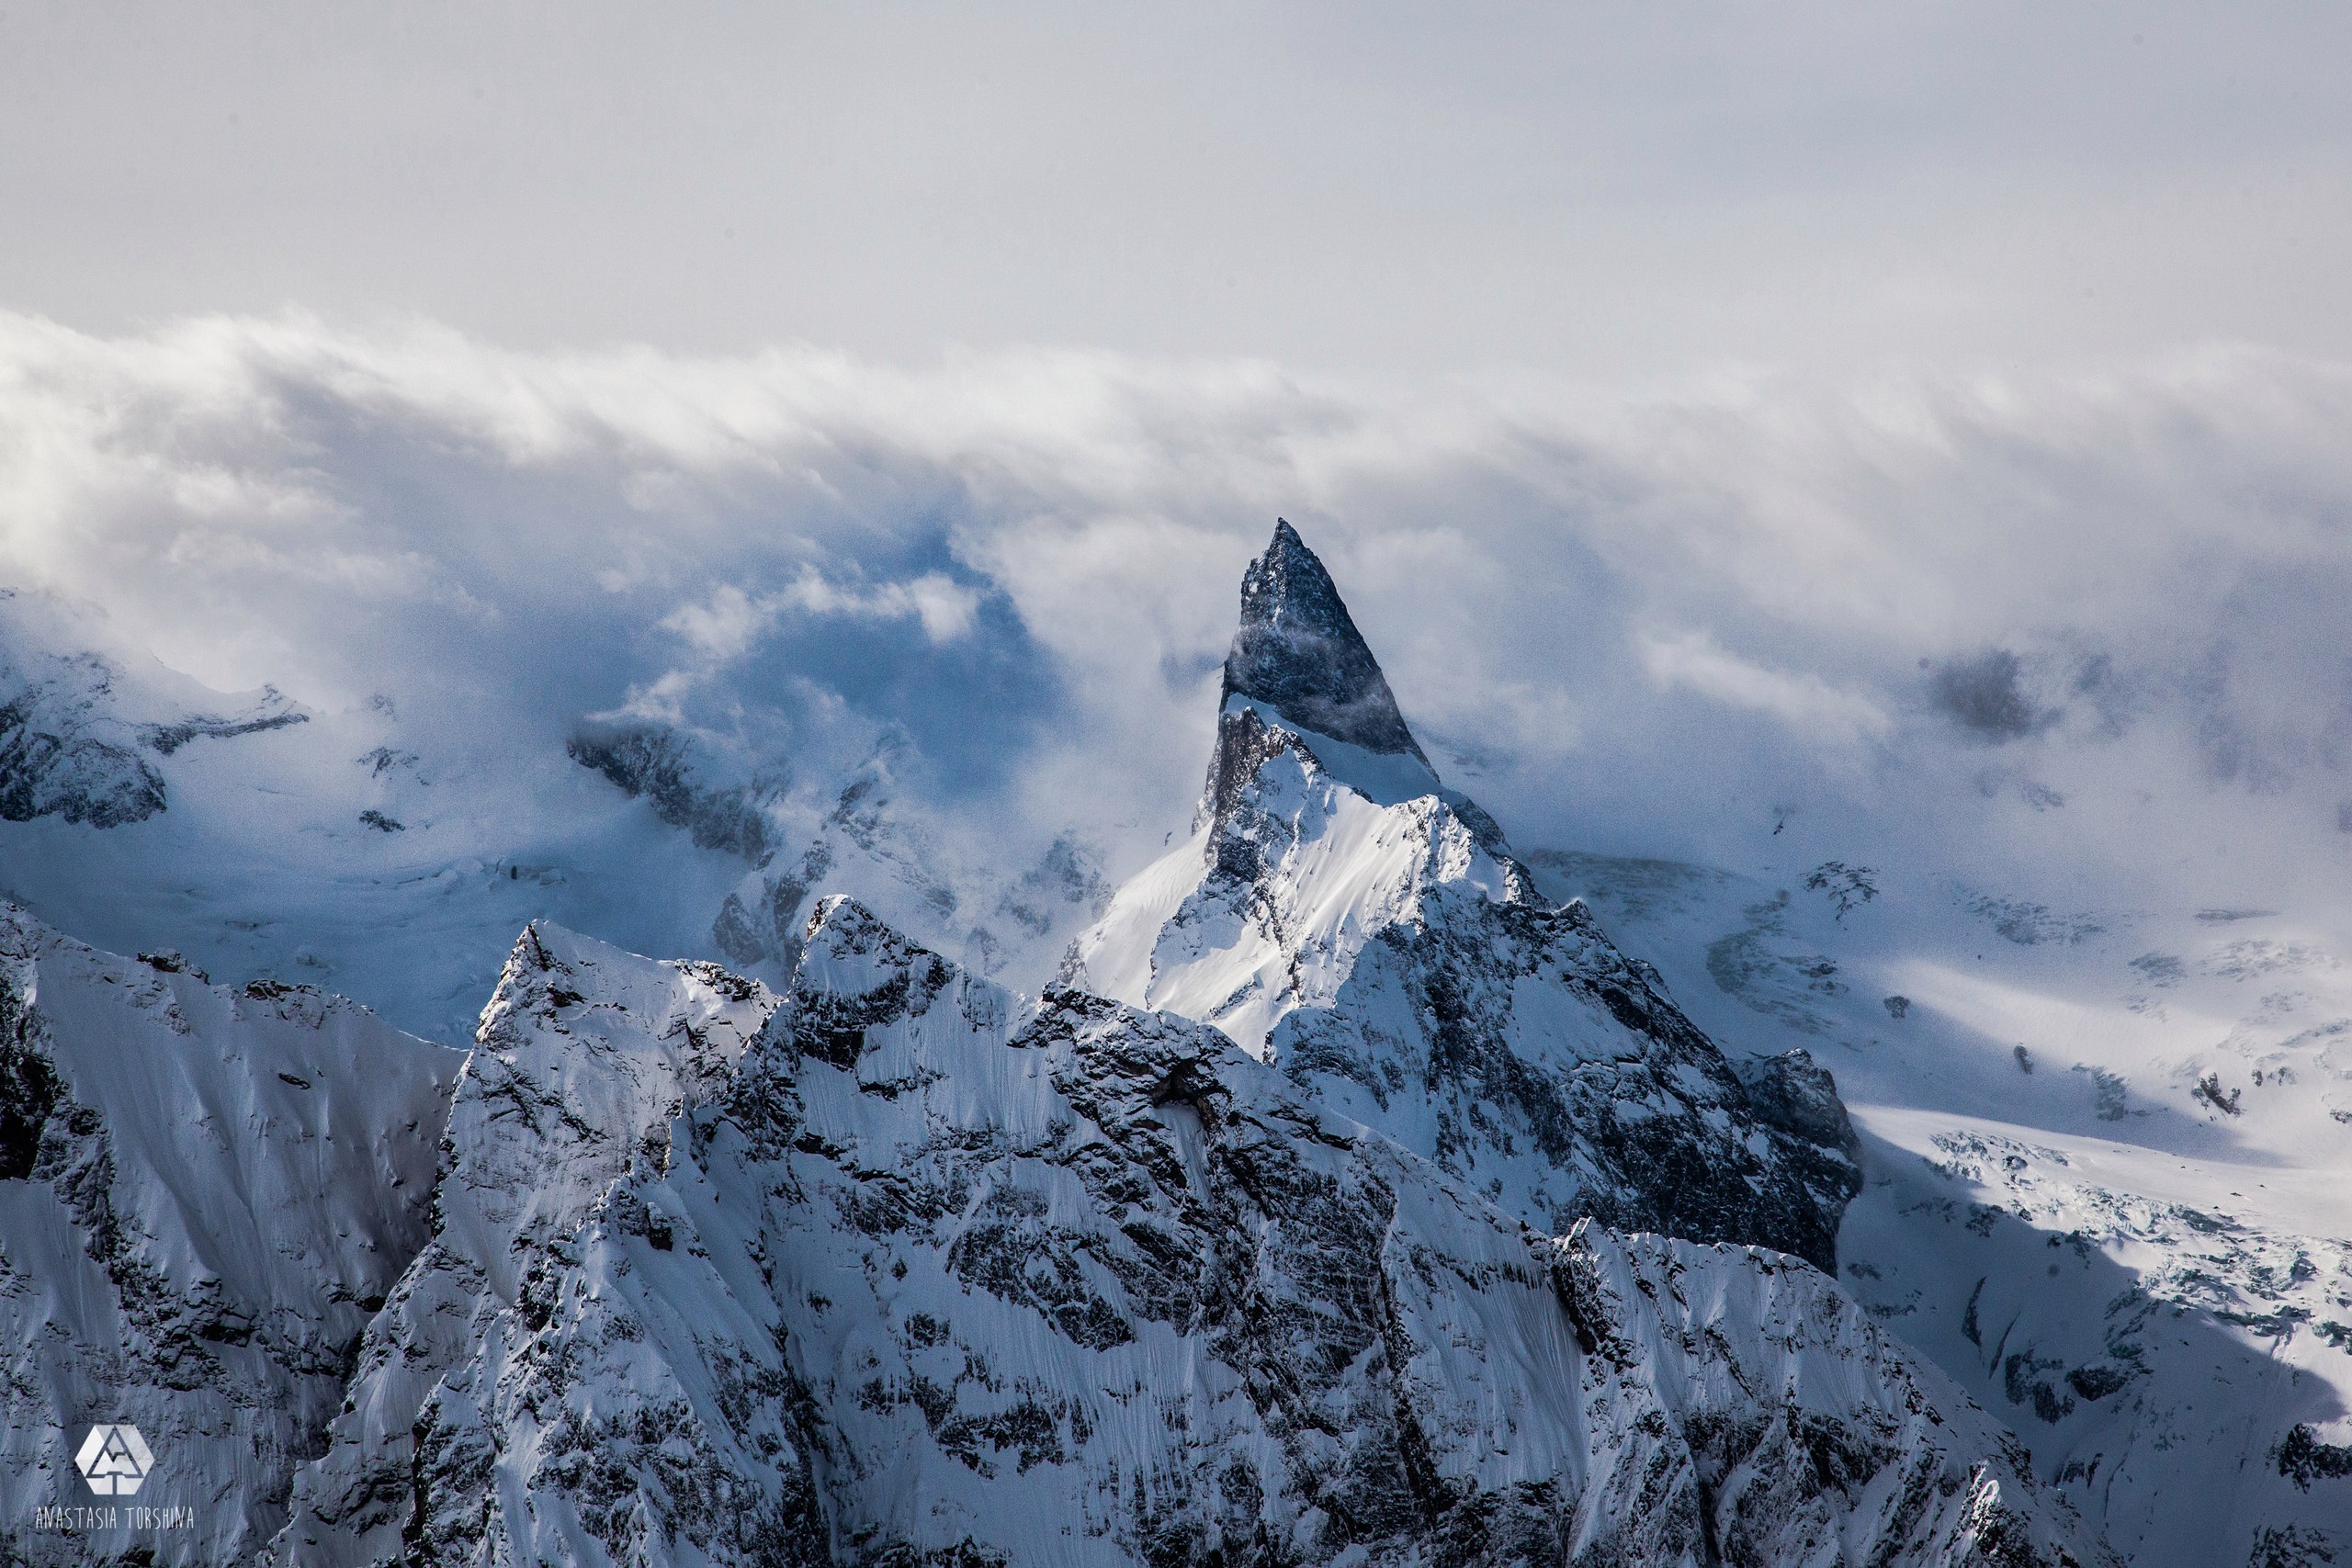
(81, 741)
(2106, 1176)
(583, 1057)
(1369, 935)
(2172, 1352)
(876, 842)
(390, 855)
(205, 1193)
(923, 1281)
(1346, 918)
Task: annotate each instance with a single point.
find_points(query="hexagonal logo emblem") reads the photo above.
(114, 1460)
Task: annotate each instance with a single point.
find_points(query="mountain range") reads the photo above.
(1344, 1187)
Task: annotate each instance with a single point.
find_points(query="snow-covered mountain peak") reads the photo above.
(1298, 651)
(584, 1056)
(1348, 920)
(1323, 823)
(1301, 671)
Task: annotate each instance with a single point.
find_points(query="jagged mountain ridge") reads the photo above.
(204, 1195)
(583, 1056)
(572, 1398)
(918, 1280)
(1369, 931)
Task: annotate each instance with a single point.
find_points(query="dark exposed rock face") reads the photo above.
(272, 714)
(28, 1086)
(651, 763)
(919, 1282)
(1796, 1094)
(1298, 651)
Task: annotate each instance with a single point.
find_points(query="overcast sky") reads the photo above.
(1620, 193)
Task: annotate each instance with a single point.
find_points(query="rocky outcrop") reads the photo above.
(1297, 651)
(649, 763)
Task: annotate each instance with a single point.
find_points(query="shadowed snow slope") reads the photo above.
(913, 1280)
(204, 1195)
(2107, 1172)
(1369, 934)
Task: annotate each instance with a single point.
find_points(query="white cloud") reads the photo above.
(1805, 703)
(722, 628)
(1580, 590)
(943, 607)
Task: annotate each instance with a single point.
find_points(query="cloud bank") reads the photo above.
(2043, 628)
